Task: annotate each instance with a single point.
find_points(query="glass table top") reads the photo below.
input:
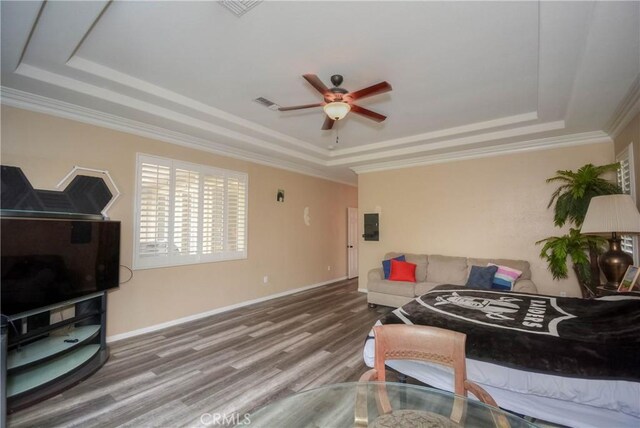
(380, 404)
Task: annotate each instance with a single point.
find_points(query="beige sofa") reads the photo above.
(433, 270)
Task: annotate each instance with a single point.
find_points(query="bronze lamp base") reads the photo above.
(614, 263)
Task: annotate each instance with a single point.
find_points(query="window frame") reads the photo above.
(173, 258)
(627, 154)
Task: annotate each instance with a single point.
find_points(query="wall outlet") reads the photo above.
(265, 279)
(328, 267)
(563, 294)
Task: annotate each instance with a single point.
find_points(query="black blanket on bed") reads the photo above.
(555, 335)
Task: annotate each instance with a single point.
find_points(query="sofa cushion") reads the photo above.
(384, 299)
(386, 265)
(525, 286)
(398, 288)
(481, 277)
(447, 270)
(402, 271)
(375, 274)
(425, 287)
(420, 260)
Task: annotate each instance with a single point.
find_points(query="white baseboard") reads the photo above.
(363, 290)
(194, 317)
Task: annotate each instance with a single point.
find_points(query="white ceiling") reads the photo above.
(469, 78)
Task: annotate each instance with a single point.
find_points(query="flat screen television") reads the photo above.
(49, 261)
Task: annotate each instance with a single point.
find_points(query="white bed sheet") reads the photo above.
(574, 402)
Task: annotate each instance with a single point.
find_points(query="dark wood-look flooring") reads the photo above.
(230, 362)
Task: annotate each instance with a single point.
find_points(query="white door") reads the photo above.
(352, 242)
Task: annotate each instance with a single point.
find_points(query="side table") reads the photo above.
(601, 291)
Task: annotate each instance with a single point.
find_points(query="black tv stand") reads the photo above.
(47, 359)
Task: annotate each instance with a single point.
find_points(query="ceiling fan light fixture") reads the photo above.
(337, 110)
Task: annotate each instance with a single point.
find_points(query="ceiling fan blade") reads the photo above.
(316, 83)
(378, 88)
(367, 113)
(300, 107)
(328, 123)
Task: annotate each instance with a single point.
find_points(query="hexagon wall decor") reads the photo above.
(80, 194)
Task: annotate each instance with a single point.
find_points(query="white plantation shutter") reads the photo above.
(236, 214)
(188, 213)
(213, 215)
(624, 176)
(626, 181)
(154, 197)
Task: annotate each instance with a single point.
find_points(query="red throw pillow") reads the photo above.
(402, 271)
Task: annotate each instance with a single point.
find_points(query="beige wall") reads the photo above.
(281, 246)
(490, 207)
(631, 135)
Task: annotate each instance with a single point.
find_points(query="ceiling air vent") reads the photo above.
(240, 7)
(268, 104)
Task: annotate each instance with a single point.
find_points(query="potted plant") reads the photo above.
(571, 201)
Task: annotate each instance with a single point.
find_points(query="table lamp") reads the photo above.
(612, 214)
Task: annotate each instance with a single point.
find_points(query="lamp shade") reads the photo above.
(337, 110)
(611, 213)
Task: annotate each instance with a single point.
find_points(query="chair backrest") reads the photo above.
(416, 342)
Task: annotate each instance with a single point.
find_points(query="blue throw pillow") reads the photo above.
(386, 265)
(481, 277)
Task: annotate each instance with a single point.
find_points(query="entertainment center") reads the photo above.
(56, 270)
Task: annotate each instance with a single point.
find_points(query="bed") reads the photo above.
(569, 361)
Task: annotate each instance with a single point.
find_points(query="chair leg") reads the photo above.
(372, 305)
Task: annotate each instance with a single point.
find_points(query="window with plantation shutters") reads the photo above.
(188, 213)
(626, 181)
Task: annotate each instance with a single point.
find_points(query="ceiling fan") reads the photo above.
(338, 101)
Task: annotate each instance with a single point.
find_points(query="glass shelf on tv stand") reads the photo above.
(50, 346)
(51, 370)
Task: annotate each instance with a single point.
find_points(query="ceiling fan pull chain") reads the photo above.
(337, 134)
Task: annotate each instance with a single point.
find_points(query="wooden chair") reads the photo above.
(431, 344)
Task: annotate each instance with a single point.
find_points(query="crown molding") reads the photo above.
(627, 110)
(441, 133)
(133, 83)
(28, 101)
(104, 94)
(498, 150)
(455, 142)
(143, 86)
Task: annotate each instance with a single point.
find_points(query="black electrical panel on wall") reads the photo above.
(371, 227)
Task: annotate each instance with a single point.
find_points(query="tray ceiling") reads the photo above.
(469, 79)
